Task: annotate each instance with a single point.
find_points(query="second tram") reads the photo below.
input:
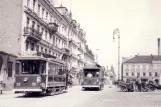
(93, 77)
(41, 75)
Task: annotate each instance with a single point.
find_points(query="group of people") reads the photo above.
(138, 84)
(91, 75)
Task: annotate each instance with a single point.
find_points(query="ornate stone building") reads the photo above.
(36, 26)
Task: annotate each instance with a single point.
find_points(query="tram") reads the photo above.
(93, 77)
(41, 75)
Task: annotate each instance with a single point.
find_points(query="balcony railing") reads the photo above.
(32, 33)
(53, 27)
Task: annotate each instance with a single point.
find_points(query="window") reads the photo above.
(156, 74)
(46, 16)
(32, 46)
(27, 22)
(53, 40)
(42, 30)
(45, 50)
(34, 2)
(42, 49)
(49, 52)
(132, 73)
(38, 28)
(126, 74)
(38, 9)
(27, 45)
(138, 74)
(10, 69)
(43, 12)
(33, 24)
(46, 35)
(17, 68)
(144, 74)
(28, 3)
(37, 48)
(150, 74)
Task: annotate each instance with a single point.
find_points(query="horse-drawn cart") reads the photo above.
(125, 87)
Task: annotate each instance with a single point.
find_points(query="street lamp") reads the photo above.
(117, 32)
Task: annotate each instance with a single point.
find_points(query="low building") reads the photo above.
(8, 67)
(148, 67)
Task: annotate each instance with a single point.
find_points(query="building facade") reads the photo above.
(89, 57)
(36, 26)
(147, 67)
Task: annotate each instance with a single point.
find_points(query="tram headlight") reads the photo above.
(18, 84)
(33, 84)
(38, 79)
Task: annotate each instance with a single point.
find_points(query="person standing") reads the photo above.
(138, 83)
(110, 83)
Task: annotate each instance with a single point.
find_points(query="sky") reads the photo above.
(139, 22)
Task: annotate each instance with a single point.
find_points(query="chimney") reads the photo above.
(158, 46)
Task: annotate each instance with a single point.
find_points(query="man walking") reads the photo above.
(138, 83)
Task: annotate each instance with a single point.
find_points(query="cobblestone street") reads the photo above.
(109, 97)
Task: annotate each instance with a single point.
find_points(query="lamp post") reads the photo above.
(117, 32)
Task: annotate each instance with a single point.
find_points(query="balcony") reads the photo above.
(53, 27)
(66, 51)
(72, 41)
(32, 33)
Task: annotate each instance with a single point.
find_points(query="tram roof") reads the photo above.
(31, 58)
(91, 67)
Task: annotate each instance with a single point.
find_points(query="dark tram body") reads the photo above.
(96, 78)
(41, 75)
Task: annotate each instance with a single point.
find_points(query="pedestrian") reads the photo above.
(110, 83)
(1, 87)
(138, 83)
(89, 75)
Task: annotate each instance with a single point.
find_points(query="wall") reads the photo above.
(9, 81)
(10, 29)
(141, 68)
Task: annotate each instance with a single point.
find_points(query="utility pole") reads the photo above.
(116, 31)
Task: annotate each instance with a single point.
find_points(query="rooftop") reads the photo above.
(143, 59)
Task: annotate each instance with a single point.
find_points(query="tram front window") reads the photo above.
(91, 73)
(33, 67)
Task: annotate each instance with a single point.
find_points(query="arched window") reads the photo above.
(1, 62)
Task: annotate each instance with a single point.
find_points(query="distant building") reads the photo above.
(89, 57)
(148, 67)
(110, 74)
